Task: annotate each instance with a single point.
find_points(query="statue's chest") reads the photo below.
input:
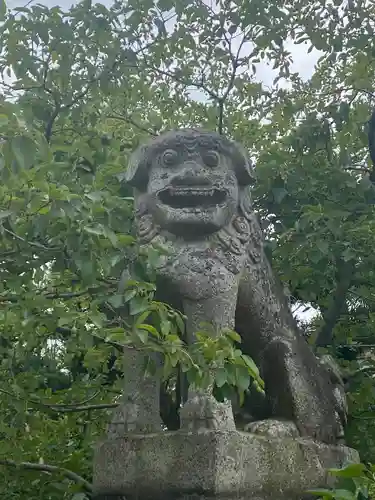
(198, 272)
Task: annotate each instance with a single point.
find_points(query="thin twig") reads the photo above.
(132, 122)
(344, 276)
(30, 243)
(77, 409)
(61, 408)
(116, 345)
(84, 402)
(51, 469)
(55, 295)
(359, 169)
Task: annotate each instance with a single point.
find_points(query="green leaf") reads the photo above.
(4, 214)
(95, 196)
(129, 294)
(24, 150)
(64, 320)
(323, 246)
(180, 323)
(220, 377)
(3, 10)
(4, 120)
(97, 319)
(233, 336)
(252, 367)
(138, 304)
(344, 495)
(351, 470)
(97, 230)
(116, 300)
(142, 335)
(348, 254)
(194, 376)
(149, 328)
(115, 334)
(173, 358)
(279, 194)
(321, 492)
(108, 233)
(242, 378)
(165, 327)
(142, 317)
(333, 494)
(80, 496)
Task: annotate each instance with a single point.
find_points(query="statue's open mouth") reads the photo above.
(192, 197)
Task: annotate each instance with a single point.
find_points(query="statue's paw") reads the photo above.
(273, 428)
(202, 411)
(322, 427)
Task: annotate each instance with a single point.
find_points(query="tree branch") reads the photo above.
(187, 83)
(77, 409)
(61, 408)
(359, 169)
(51, 121)
(55, 295)
(345, 272)
(131, 122)
(30, 243)
(359, 417)
(67, 331)
(85, 401)
(50, 469)
(116, 345)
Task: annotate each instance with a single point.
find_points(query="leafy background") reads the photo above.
(80, 89)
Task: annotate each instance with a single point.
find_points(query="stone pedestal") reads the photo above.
(212, 464)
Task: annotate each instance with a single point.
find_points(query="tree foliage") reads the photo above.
(80, 90)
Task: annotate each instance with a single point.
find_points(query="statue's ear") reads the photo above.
(245, 202)
(136, 173)
(243, 167)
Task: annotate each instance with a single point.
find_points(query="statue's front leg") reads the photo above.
(202, 410)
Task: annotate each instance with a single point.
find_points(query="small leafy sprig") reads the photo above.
(355, 482)
(212, 360)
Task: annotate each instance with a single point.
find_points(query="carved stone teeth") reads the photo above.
(194, 192)
(188, 211)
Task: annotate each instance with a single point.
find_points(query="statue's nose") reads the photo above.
(191, 174)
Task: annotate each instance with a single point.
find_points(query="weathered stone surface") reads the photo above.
(139, 410)
(192, 198)
(202, 411)
(273, 428)
(213, 464)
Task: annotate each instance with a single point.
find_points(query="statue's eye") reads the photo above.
(169, 157)
(211, 158)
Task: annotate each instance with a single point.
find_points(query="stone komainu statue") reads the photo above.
(193, 198)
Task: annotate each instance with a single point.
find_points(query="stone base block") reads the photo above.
(212, 464)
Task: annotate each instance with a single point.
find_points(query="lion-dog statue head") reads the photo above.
(191, 184)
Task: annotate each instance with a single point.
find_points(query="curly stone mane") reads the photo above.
(233, 239)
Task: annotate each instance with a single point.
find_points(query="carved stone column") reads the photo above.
(201, 410)
(139, 409)
(136, 417)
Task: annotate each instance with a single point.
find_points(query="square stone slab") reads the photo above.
(212, 464)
